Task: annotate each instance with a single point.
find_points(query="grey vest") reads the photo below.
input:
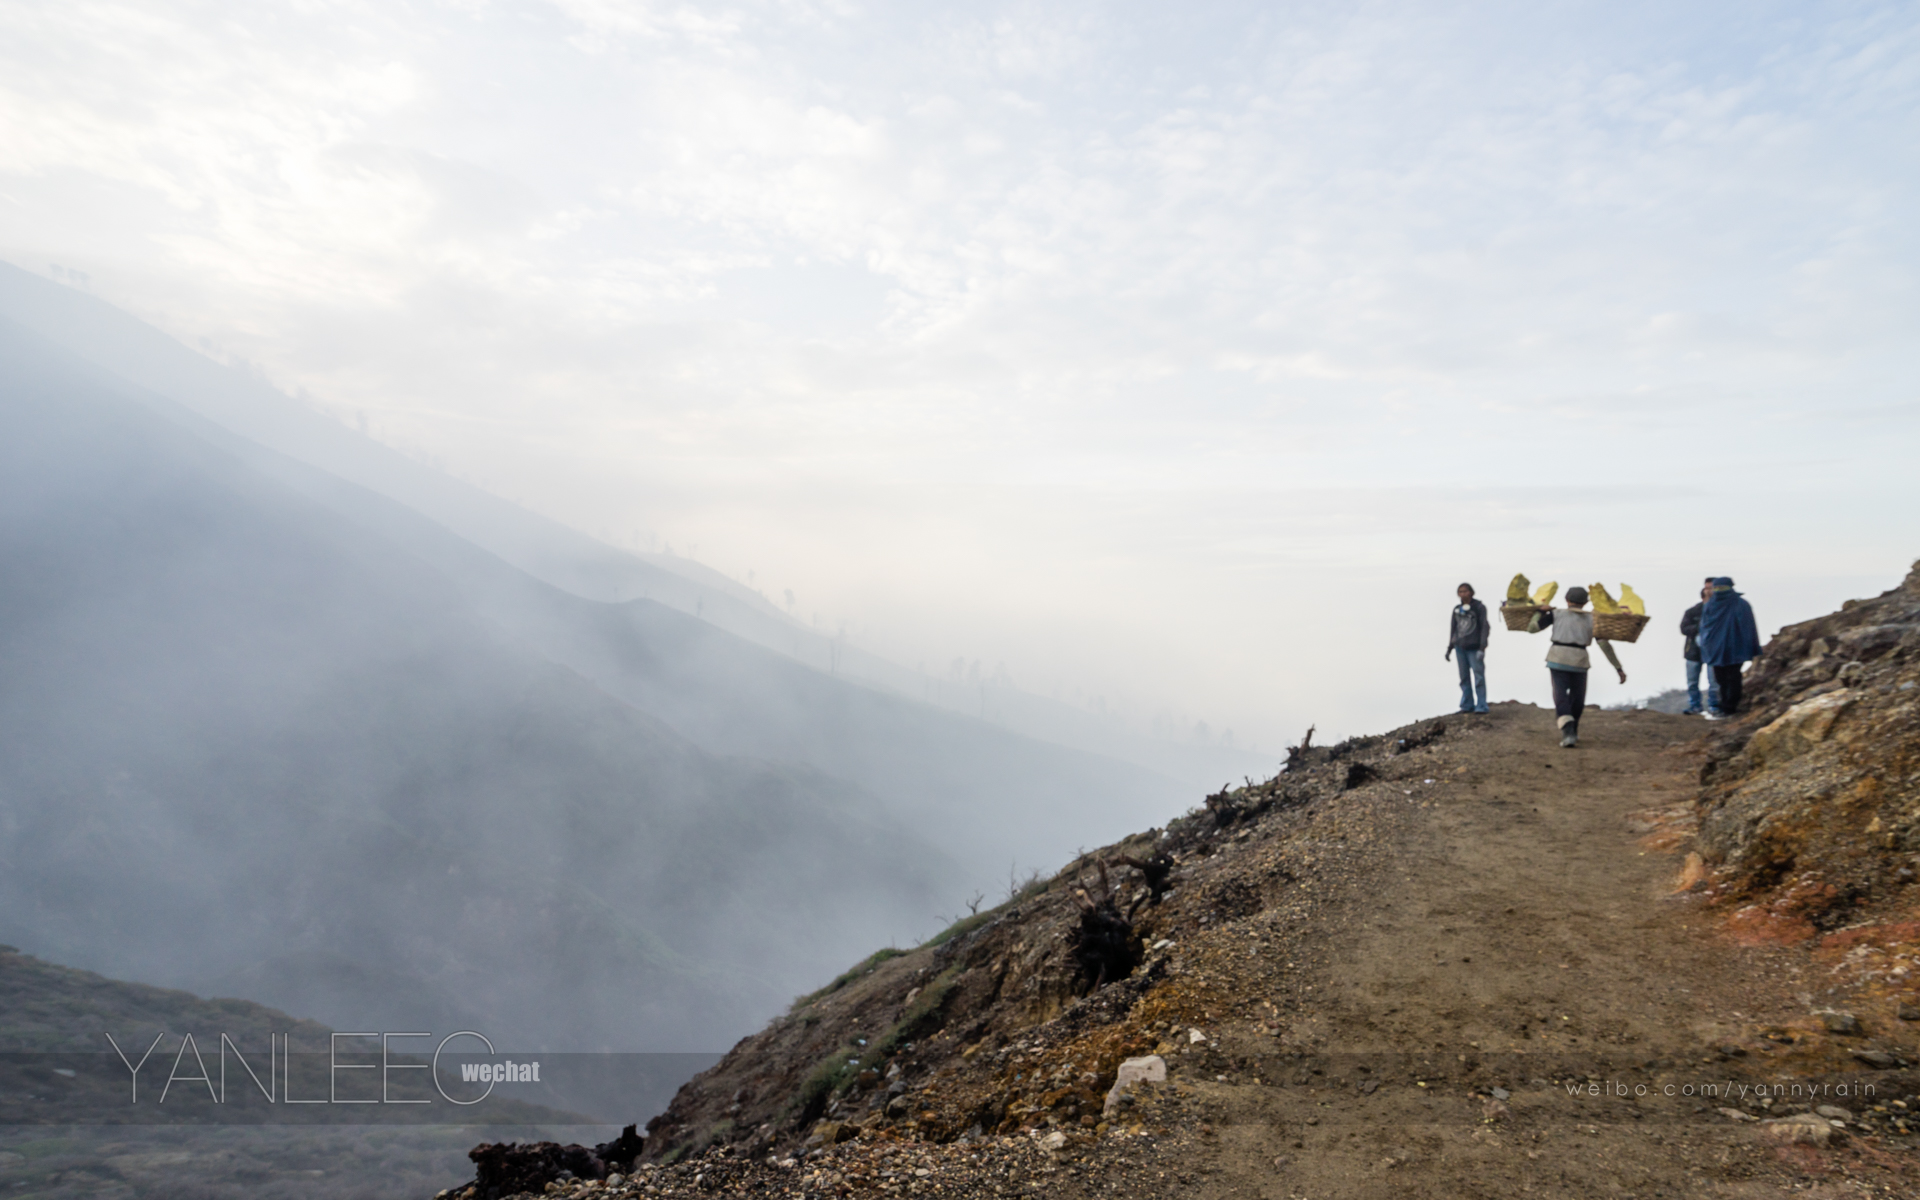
(1572, 633)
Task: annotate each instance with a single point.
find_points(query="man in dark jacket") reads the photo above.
(1690, 626)
(1467, 646)
(1729, 639)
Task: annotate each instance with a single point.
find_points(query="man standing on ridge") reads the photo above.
(1729, 640)
(1467, 637)
(1690, 626)
(1567, 662)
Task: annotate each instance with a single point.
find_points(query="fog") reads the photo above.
(273, 734)
(669, 499)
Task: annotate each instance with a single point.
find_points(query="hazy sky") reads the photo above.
(1182, 355)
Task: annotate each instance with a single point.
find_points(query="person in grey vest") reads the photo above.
(1571, 631)
(1467, 645)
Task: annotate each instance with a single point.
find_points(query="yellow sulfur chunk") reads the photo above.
(1545, 593)
(1634, 603)
(1602, 601)
(1517, 590)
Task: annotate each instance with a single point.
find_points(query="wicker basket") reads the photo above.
(1618, 626)
(1518, 616)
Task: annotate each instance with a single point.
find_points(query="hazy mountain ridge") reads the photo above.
(241, 736)
(240, 402)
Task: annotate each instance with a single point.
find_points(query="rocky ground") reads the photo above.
(1454, 960)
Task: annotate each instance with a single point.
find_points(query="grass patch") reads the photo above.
(1018, 891)
(965, 924)
(836, 1072)
(864, 967)
(831, 1076)
(921, 1017)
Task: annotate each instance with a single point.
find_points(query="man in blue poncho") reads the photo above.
(1729, 639)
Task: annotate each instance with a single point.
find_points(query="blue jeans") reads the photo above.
(1693, 688)
(1473, 673)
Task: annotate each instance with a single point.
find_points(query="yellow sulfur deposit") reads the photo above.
(1602, 601)
(1517, 590)
(1545, 593)
(1634, 603)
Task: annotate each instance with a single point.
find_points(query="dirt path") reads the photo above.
(1512, 930)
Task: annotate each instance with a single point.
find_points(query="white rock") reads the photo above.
(1053, 1142)
(1150, 1069)
(1195, 1037)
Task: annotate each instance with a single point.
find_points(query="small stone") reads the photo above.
(1502, 1094)
(1834, 1112)
(1909, 1012)
(1054, 1142)
(1734, 1114)
(1809, 1129)
(1880, 1060)
(1843, 1023)
(1195, 1037)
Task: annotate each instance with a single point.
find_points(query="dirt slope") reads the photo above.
(1353, 958)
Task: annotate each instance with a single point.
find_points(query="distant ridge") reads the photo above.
(244, 404)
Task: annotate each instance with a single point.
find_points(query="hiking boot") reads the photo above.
(1569, 739)
(1714, 716)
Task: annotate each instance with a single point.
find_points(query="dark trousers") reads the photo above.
(1727, 679)
(1569, 696)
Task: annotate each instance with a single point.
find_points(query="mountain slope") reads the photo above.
(241, 739)
(1444, 961)
(989, 796)
(239, 402)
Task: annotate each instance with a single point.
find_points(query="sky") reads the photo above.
(1175, 359)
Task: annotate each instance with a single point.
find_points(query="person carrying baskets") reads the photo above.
(1571, 631)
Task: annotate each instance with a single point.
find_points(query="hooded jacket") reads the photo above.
(1467, 630)
(1729, 635)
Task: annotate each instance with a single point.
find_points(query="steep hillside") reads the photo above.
(68, 1129)
(987, 796)
(247, 747)
(1450, 960)
(237, 402)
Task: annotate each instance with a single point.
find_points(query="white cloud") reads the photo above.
(785, 263)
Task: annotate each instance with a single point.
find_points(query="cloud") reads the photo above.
(1067, 245)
